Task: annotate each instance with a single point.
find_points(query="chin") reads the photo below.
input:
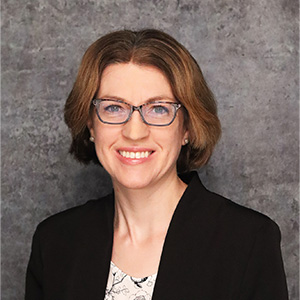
(134, 184)
(133, 181)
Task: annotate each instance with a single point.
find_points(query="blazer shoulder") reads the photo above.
(207, 207)
(239, 215)
(77, 216)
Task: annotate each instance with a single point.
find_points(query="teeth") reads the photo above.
(128, 154)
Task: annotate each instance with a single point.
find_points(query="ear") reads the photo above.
(185, 138)
(90, 126)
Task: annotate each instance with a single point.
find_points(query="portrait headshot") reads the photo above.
(150, 150)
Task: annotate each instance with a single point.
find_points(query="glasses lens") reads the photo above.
(114, 112)
(159, 113)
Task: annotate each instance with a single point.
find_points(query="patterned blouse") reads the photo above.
(121, 286)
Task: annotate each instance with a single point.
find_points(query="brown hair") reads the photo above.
(154, 48)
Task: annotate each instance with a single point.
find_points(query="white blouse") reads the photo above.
(121, 286)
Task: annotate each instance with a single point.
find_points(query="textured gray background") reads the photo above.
(248, 51)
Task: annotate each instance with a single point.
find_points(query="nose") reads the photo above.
(135, 128)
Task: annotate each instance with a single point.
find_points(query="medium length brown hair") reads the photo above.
(147, 47)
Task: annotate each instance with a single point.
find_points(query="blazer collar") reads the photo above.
(176, 256)
(174, 246)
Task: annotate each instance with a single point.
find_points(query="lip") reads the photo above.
(134, 161)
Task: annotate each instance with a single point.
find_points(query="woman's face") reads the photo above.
(153, 151)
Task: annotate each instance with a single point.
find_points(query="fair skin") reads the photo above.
(147, 190)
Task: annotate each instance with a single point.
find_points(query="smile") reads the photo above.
(135, 155)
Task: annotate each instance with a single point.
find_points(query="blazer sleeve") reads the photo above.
(34, 288)
(265, 277)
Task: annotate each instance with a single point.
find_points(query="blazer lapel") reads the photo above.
(185, 250)
(94, 253)
(184, 246)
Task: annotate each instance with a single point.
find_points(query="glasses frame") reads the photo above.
(96, 103)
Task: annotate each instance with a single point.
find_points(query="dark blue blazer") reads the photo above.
(214, 250)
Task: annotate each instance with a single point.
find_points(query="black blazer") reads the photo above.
(214, 250)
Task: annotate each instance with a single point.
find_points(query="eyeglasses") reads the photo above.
(158, 113)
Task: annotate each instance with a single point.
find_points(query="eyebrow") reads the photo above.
(151, 99)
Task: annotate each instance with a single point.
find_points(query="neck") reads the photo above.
(142, 213)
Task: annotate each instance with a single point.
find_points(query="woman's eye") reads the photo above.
(159, 109)
(113, 108)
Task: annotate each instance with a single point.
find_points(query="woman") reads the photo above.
(141, 107)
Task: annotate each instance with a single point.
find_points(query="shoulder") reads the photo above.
(216, 210)
(77, 218)
(240, 218)
(231, 231)
(71, 241)
(244, 226)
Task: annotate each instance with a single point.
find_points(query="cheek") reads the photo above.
(171, 141)
(100, 136)
(104, 139)
(103, 133)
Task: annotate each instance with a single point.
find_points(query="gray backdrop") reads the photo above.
(248, 51)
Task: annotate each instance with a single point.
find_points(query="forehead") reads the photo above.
(134, 82)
